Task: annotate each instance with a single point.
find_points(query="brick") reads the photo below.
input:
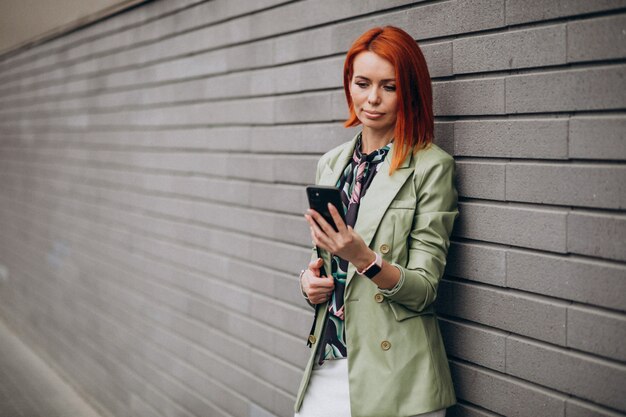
(472, 97)
(318, 74)
(444, 136)
(298, 46)
(277, 197)
(477, 262)
(281, 316)
(577, 408)
(438, 58)
(513, 225)
(303, 108)
(521, 11)
(275, 372)
(295, 170)
(587, 185)
(475, 344)
(459, 16)
(532, 316)
(300, 139)
(596, 39)
(256, 411)
(502, 394)
(580, 89)
(339, 106)
(282, 404)
(537, 138)
(577, 279)
(599, 235)
(576, 374)
(484, 180)
(596, 331)
(597, 138)
(247, 55)
(536, 47)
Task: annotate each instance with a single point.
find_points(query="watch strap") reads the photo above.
(374, 268)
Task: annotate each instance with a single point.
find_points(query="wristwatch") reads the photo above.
(374, 268)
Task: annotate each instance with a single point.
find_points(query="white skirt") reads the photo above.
(328, 392)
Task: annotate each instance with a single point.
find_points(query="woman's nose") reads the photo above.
(373, 96)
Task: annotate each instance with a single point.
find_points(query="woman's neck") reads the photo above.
(374, 139)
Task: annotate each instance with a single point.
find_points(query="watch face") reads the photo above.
(372, 271)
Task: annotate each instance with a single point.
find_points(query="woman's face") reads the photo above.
(373, 91)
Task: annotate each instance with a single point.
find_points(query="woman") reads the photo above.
(376, 346)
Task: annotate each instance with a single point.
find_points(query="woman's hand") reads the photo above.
(345, 242)
(317, 289)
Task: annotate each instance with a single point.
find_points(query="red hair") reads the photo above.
(415, 121)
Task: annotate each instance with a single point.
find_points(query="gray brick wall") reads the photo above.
(151, 197)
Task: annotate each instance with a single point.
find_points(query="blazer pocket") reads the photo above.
(401, 313)
(402, 204)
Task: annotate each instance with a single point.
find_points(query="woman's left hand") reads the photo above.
(345, 242)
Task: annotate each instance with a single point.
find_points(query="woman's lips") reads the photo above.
(373, 115)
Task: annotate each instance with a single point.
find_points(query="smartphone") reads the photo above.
(319, 197)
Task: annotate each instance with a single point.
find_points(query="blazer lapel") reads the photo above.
(377, 199)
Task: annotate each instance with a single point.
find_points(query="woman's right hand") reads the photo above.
(317, 289)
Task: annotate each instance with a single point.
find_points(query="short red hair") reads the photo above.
(415, 121)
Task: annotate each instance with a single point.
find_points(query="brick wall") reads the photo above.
(151, 197)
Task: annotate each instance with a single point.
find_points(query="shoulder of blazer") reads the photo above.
(432, 155)
(427, 159)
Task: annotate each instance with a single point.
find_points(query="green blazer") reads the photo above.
(397, 364)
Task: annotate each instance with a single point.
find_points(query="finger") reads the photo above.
(334, 213)
(312, 224)
(315, 266)
(322, 283)
(316, 263)
(322, 223)
(320, 298)
(310, 220)
(320, 238)
(311, 273)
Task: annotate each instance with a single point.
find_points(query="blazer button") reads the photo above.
(385, 345)
(384, 248)
(312, 339)
(379, 298)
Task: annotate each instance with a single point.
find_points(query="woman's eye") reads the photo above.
(390, 88)
(362, 85)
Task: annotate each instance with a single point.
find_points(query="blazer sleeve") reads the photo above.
(429, 238)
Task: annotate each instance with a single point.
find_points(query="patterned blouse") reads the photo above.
(353, 183)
